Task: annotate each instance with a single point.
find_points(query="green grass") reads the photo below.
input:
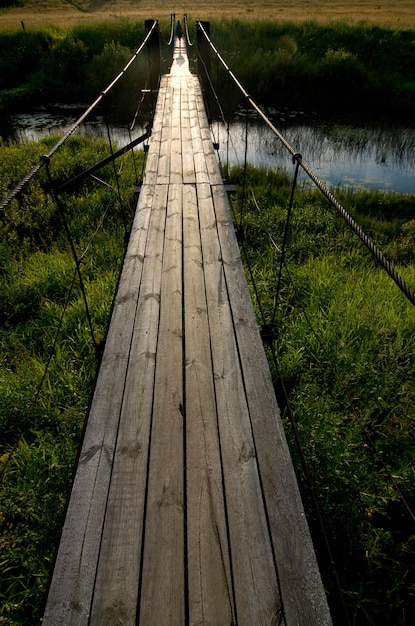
(356, 69)
(353, 68)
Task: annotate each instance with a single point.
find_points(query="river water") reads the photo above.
(344, 155)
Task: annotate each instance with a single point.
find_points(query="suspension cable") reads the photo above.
(172, 22)
(186, 30)
(245, 167)
(285, 237)
(45, 158)
(376, 253)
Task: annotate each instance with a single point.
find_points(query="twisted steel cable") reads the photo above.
(377, 254)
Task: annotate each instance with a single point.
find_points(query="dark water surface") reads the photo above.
(344, 155)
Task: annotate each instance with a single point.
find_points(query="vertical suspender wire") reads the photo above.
(296, 160)
(116, 174)
(148, 128)
(245, 172)
(133, 156)
(77, 262)
(131, 128)
(227, 149)
(117, 182)
(227, 129)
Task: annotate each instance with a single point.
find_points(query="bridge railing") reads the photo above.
(333, 333)
(204, 63)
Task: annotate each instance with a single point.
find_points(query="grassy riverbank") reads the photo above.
(333, 69)
(345, 352)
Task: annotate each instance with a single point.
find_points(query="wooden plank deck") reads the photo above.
(185, 507)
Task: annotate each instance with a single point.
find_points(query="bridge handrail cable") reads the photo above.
(172, 23)
(186, 30)
(296, 156)
(46, 158)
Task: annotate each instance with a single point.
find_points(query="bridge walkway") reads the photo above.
(184, 507)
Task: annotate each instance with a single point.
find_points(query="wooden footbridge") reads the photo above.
(184, 507)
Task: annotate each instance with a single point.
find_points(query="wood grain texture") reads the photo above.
(210, 581)
(70, 594)
(163, 575)
(254, 573)
(116, 586)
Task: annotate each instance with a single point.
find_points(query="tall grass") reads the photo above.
(345, 349)
(69, 66)
(358, 69)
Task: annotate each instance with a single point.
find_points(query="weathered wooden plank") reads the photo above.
(197, 142)
(176, 165)
(300, 582)
(116, 588)
(189, 176)
(210, 580)
(163, 172)
(163, 574)
(201, 171)
(254, 574)
(215, 176)
(70, 594)
(152, 162)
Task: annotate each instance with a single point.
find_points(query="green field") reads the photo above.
(35, 13)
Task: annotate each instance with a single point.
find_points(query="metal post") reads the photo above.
(153, 55)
